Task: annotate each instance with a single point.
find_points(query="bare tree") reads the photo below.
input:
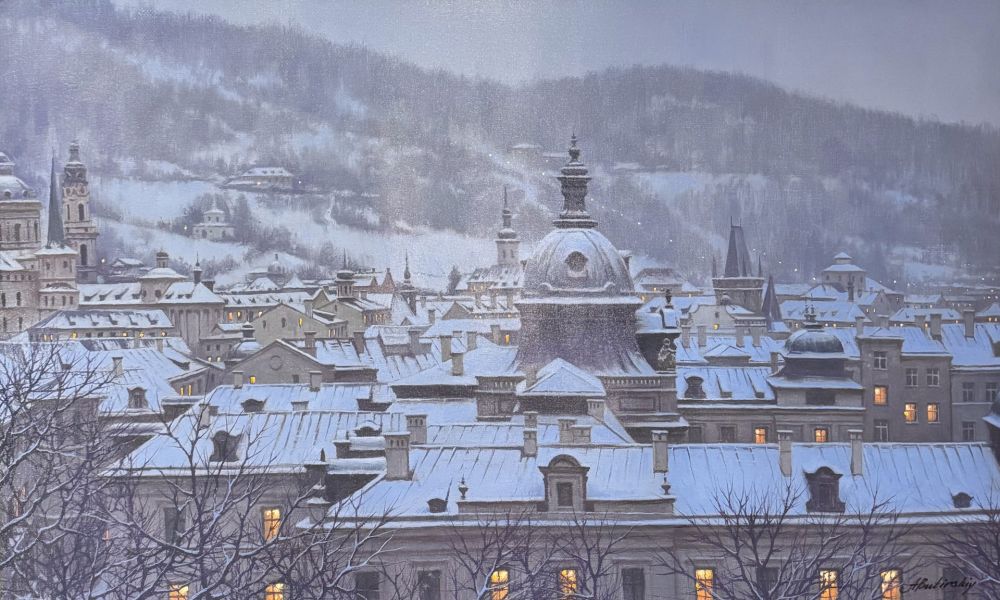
(761, 547)
(971, 547)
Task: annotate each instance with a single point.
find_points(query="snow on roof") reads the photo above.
(725, 351)
(809, 383)
(825, 291)
(238, 298)
(266, 172)
(561, 378)
(481, 326)
(908, 315)
(9, 261)
(760, 354)
(992, 310)
(511, 433)
(922, 298)
(737, 383)
(189, 292)
(486, 359)
(279, 397)
(792, 289)
(844, 268)
(109, 293)
(826, 311)
(438, 411)
(980, 351)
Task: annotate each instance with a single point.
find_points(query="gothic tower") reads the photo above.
(508, 246)
(738, 284)
(80, 231)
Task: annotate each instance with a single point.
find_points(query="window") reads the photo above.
(271, 519)
(881, 395)
(961, 500)
(933, 377)
(703, 580)
(968, 431)
(881, 430)
(766, 578)
(177, 592)
(275, 591)
(824, 491)
(568, 583)
(137, 398)
(892, 580)
(633, 584)
(968, 391)
(429, 585)
(821, 435)
(253, 379)
(910, 412)
(760, 435)
(727, 434)
(932, 412)
(564, 494)
(880, 360)
(224, 447)
(499, 584)
(695, 435)
(911, 377)
(366, 586)
(991, 391)
(828, 589)
(695, 391)
(173, 524)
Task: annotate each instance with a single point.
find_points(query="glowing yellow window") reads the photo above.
(881, 396)
(828, 584)
(73, 335)
(253, 379)
(177, 592)
(275, 591)
(703, 580)
(568, 583)
(892, 585)
(715, 327)
(230, 315)
(910, 412)
(821, 435)
(300, 321)
(272, 522)
(760, 435)
(506, 339)
(499, 584)
(932, 413)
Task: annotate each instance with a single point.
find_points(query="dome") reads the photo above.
(577, 261)
(813, 341)
(276, 268)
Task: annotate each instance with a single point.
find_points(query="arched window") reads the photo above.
(17, 232)
(18, 299)
(824, 491)
(83, 254)
(137, 398)
(224, 447)
(69, 215)
(695, 389)
(36, 231)
(80, 212)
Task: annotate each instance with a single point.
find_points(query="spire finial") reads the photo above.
(573, 180)
(505, 197)
(574, 151)
(406, 271)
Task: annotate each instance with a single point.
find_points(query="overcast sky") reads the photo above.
(914, 56)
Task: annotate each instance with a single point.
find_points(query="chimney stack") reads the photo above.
(969, 318)
(685, 335)
(566, 429)
(237, 379)
(581, 434)
(857, 451)
(530, 447)
(595, 408)
(358, 339)
(445, 347)
(415, 347)
(495, 333)
(756, 331)
(397, 456)
(315, 380)
(936, 325)
(775, 356)
(859, 325)
(741, 335)
(458, 364)
(661, 458)
(310, 345)
(417, 426)
(785, 452)
(702, 337)
(920, 321)
(308, 304)
(117, 366)
(159, 344)
(530, 419)
(471, 337)
(431, 317)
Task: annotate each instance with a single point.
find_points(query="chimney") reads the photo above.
(685, 335)
(430, 316)
(850, 289)
(741, 335)
(310, 343)
(205, 414)
(919, 321)
(397, 456)
(308, 304)
(415, 347)
(595, 408)
(417, 426)
(208, 283)
(661, 459)
(936, 325)
(162, 259)
(423, 301)
(857, 452)
(566, 429)
(785, 452)
(117, 366)
(471, 337)
(775, 356)
(530, 447)
(315, 380)
(495, 333)
(159, 344)
(316, 471)
(756, 331)
(196, 274)
(859, 325)
(969, 317)
(358, 339)
(237, 379)
(458, 364)
(581, 434)
(531, 419)
(702, 336)
(445, 347)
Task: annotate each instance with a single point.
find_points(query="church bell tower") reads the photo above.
(80, 230)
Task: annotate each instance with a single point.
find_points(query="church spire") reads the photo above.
(406, 270)
(573, 179)
(57, 236)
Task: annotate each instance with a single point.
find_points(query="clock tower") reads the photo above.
(80, 230)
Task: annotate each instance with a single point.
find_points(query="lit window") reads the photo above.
(910, 412)
(703, 580)
(177, 592)
(932, 412)
(499, 584)
(568, 584)
(881, 397)
(715, 327)
(230, 316)
(892, 585)
(271, 518)
(760, 435)
(506, 339)
(275, 591)
(821, 435)
(253, 379)
(880, 360)
(828, 584)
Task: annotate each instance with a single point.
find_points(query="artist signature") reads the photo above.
(942, 583)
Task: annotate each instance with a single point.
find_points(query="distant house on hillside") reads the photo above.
(262, 177)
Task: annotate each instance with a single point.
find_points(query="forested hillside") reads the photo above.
(206, 98)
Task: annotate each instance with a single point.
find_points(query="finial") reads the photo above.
(665, 485)
(322, 455)
(345, 259)
(505, 197)
(462, 488)
(574, 152)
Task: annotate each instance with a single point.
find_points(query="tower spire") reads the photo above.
(406, 270)
(57, 236)
(573, 179)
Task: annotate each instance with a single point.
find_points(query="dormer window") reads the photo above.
(224, 447)
(137, 398)
(962, 500)
(565, 483)
(252, 405)
(824, 491)
(695, 391)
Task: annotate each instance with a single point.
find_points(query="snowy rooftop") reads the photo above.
(116, 319)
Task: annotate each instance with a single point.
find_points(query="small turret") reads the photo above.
(508, 246)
